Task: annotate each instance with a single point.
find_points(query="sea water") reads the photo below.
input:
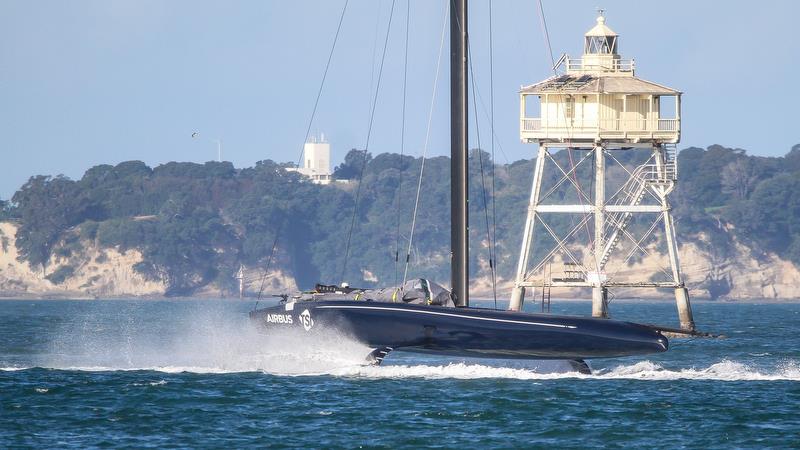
(191, 374)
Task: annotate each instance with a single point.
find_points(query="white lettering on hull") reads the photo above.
(279, 318)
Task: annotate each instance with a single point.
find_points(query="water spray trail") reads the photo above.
(206, 340)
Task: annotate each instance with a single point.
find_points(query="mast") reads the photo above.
(459, 202)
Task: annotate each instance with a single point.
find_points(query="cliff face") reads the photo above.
(743, 273)
(95, 272)
(746, 273)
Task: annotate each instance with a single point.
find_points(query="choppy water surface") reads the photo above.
(197, 374)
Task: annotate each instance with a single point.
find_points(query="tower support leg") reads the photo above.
(517, 298)
(600, 302)
(599, 292)
(681, 293)
(518, 294)
(684, 309)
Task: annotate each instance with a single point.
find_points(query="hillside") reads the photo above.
(184, 228)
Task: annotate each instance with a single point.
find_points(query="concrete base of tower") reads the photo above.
(517, 298)
(600, 302)
(684, 309)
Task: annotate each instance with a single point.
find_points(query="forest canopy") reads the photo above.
(195, 223)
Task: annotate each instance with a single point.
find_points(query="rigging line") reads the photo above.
(589, 238)
(593, 192)
(546, 33)
(402, 147)
(269, 261)
(580, 193)
(493, 241)
(483, 177)
(322, 84)
(425, 146)
(546, 36)
(366, 145)
(488, 117)
(477, 93)
(580, 197)
(573, 172)
(374, 54)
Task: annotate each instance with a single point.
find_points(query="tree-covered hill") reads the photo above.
(195, 223)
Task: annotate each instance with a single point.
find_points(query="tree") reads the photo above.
(351, 167)
(700, 171)
(739, 178)
(5, 210)
(47, 207)
(771, 218)
(793, 159)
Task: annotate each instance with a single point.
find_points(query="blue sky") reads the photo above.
(87, 82)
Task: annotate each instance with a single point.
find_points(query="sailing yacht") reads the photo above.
(424, 317)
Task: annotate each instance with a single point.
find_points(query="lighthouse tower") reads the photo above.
(605, 167)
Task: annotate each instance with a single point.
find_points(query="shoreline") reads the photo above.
(481, 301)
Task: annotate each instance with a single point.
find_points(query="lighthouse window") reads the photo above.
(601, 44)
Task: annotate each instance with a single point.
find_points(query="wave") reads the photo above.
(645, 370)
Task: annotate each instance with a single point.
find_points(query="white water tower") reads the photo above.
(598, 108)
(316, 160)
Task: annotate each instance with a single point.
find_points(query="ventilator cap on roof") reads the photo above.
(601, 29)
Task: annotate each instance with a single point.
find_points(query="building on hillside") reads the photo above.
(316, 161)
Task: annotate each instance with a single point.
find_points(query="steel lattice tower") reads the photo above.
(597, 109)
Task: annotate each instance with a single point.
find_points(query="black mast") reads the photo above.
(459, 200)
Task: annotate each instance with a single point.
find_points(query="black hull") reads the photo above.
(471, 332)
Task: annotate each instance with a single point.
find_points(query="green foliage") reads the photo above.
(758, 196)
(195, 223)
(792, 160)
(771, 217)
(5, 210)
(351, 167)
(88, 230)
(48, 206)
(61, 274)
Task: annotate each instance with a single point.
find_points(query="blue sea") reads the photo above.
(197, 374)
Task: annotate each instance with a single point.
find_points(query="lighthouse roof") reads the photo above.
(585, 84)
(601, 29)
